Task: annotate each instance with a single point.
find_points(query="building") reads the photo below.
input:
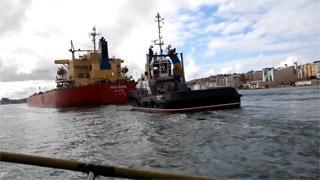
(300, 73)
(268, 77)
(280, 76)
(305, 71)
(252, 76)
(195, 86)
(285, 75)
(316, 69)
(311, 82)
(221, 81)
(267, 74)
(248, 76)
(257, 76)
(232, 81)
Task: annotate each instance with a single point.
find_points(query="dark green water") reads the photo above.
(274, 135)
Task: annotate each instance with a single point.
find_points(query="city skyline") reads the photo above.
(222, 36)
(295, 75)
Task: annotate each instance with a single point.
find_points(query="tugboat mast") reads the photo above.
(94, 34)
(160, 43)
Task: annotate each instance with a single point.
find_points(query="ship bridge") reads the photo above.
(92, 67)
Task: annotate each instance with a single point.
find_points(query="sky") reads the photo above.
(215, 36)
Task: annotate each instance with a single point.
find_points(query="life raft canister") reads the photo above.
(61, 71)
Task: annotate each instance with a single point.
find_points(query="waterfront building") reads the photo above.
(285, 75)
(300, 73)
(204, 83)
(228, 80)
(280, 76)
(252, 76)
(257, 76)
(316, 69)
(248, 76)
(211, 84)
(307, 69)
(311, 82)
(221, 81)
(267, 75)
(195, 86)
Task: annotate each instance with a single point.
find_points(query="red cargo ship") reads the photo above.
(91, 79)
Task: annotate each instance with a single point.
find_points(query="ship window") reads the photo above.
(163, 68)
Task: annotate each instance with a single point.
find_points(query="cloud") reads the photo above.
(278, 27)
(12, 15)
(23, 89)
(233, 7)
(289, 61)
(12, 74)
(192, 70)
(136, 14)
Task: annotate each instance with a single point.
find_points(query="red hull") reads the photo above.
(96, 94)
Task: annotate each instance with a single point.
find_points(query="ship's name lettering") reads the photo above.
(118, 87)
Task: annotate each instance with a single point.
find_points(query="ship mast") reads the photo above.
(94, 34)
(160, 42)
(72, 50)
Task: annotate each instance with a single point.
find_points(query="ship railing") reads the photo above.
(91, 169)
(159, 56)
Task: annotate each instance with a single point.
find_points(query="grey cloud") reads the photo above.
(130, 15)
(12, 14)
(24, 92)
(22, 50)
(48, 31)
(45, 71)
(1, 63)
(10, 74)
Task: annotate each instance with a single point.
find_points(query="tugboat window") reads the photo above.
(164, 68)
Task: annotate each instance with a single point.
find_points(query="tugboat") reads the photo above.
(163, 87)
(91, 79)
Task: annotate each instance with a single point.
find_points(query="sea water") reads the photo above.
(274, 135)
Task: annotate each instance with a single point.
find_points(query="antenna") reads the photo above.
(158, 20)
(94, 34)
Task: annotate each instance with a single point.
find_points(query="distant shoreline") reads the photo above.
(4, 101)
(313, 82)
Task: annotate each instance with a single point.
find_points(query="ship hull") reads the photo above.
(190, 101)
(95, 94)
(191, 109)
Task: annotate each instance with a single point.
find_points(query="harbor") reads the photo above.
(159, 90)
